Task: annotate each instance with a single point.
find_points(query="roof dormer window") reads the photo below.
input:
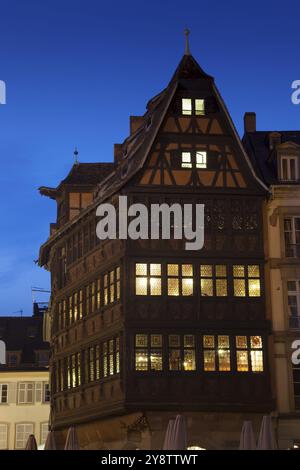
(289, 168)
(191, 106)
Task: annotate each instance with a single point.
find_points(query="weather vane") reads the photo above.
(187, 46)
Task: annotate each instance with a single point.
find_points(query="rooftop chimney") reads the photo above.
(249, 122)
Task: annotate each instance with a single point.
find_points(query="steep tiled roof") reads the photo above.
(23, 334)
(258, 149)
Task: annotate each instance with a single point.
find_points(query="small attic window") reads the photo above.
(199, 107)
(191, 106)
(289, 168)
(186, 106)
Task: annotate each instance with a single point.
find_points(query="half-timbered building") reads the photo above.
(144, 329)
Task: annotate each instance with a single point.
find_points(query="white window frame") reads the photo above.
(45, 385)
(186, 106)
(25, 429)
(293, 232)
(288, 159)
(3, 440)
(44, 432)
(197, 159)
(294, 293)
(26, 387)
(2, 393)
(192, 106)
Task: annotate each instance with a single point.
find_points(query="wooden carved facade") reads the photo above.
(145, 324)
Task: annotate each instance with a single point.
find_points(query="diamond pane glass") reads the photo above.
(141, 269)
(173, 286)
(187, 270)
(206, 270)
(155, 269)
(221, 287)
(172, 269)
(141, 286)
(239, 287)
(254, 287)
(239, 271)
(206, 287)
(253, 270)
(155, 286)
(187, 286)
(221, 270)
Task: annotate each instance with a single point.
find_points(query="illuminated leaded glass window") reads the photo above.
(112, 286)
(78, 368)
(105, 282)
(256, 354)
(97, 362)
(223, 353)
(242, 359)
(182, 352)
(216, 353)
(75, 311)
(213, 280)
(80, 303)
(148, 352)
(249, 353)
(70, 309)
(93, 296)
(98, 293)
(118, 282)
(117, 355)
(92, 364)
(148, 279)
(246, 281)
(180, 279)
(105, 358)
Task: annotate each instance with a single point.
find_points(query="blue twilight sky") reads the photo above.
(76, 69)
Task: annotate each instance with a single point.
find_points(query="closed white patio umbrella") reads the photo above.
(168, 436)
(176, 435)
(31, 443)
(50, 441)
(72, 440)
(247, 439)
(266, 440)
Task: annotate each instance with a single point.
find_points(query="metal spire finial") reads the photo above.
(76, 155)
(187, 45)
